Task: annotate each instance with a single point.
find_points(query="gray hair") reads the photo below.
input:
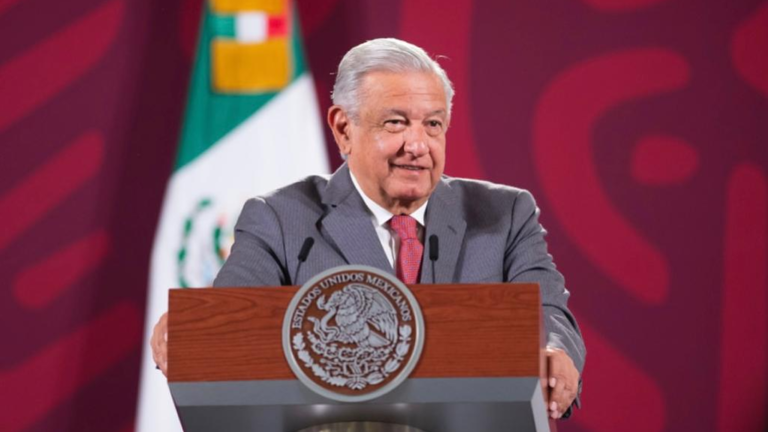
(382, 55)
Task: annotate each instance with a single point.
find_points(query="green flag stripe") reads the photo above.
(210, 116)
(222, 25)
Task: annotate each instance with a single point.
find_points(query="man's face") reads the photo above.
(396, 145)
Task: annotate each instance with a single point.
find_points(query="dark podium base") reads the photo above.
(431, 405)
(361, 427)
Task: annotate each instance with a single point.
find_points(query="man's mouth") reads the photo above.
(409, 167)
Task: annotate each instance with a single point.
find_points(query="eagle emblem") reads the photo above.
(353, 333)
(361, 315)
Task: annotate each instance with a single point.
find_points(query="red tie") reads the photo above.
(411, 250)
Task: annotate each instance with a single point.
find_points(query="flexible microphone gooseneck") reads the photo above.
(303, 254)
(433, 253)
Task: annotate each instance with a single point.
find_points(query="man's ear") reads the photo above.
(339, 122)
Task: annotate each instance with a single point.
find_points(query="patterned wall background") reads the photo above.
(641, 126)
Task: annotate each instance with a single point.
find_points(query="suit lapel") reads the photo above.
(443, 220)
(348, 224)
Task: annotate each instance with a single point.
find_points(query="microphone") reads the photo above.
(303, 254)
(434, 252)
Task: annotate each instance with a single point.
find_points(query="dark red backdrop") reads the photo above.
(640, 125)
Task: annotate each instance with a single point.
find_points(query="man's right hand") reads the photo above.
(159, 344)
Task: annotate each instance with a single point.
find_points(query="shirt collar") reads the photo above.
(383, 215)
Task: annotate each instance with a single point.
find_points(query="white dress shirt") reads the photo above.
(380, 217)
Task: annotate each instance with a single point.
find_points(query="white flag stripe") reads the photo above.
(251, 27)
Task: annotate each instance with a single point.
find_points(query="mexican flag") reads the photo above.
(251, 125)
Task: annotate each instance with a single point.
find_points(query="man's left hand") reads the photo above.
(562, 380)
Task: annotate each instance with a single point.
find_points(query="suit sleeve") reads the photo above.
(527, 260)
(258, 254)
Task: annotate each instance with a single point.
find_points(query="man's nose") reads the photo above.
(416, 141)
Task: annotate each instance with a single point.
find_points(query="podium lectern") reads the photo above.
(481, 368)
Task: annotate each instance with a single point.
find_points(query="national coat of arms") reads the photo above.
(353, 333)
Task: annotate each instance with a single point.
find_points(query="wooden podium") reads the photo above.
(481, 367)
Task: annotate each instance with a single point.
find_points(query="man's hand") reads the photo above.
(159, 344)
(563, 382)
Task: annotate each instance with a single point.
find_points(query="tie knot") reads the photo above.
(404, 226)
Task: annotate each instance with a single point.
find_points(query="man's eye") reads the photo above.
(395, 124)
(434, 126)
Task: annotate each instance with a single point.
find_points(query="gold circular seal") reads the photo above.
(353, 333)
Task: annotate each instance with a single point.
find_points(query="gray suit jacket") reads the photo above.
(487, 233)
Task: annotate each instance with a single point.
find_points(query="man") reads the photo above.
(392, 108)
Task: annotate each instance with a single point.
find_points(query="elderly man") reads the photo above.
(391, 112)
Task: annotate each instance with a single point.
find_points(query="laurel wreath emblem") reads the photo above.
(354, 368)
